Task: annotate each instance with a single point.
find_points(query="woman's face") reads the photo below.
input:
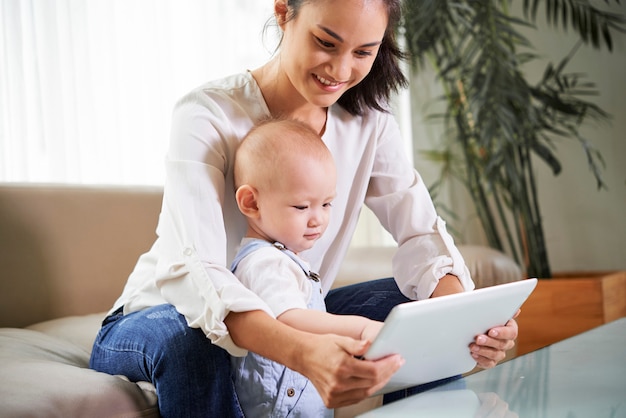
(330, 46)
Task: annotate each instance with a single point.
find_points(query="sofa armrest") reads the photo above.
(68, 249)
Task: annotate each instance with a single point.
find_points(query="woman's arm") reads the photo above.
(328, 360)
(198, 225)
(399, 198)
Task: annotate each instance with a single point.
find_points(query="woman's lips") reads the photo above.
(331, 86)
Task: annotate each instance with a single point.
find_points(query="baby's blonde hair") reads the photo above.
(272, 143)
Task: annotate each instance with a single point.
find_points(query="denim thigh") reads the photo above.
(192, 376)
(373, 299)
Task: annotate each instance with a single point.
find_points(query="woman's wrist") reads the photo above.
(447, 285)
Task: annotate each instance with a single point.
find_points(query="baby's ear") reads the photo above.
(246, 200)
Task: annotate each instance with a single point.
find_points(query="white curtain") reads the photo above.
(87, 86)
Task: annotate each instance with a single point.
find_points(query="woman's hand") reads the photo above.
(341, 379)
(328, 360)
(489, 349)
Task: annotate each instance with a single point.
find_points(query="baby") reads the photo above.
(285, 178)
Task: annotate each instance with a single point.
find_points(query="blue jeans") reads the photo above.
(192, 376)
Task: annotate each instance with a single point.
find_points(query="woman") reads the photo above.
(182, 313)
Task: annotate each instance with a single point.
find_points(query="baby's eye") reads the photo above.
(327, 205)
(300, 207)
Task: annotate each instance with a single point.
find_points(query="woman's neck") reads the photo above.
(283, 99)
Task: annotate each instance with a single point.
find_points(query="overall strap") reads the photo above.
(255, 244)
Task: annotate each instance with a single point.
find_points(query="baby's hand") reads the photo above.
(371, 330)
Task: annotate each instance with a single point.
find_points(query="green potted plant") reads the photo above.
(499, 125)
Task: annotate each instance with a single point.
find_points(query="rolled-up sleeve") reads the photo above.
(402, 203)
(193, 244)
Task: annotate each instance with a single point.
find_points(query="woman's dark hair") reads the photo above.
(385, 76)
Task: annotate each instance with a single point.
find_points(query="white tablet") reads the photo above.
(434, 335)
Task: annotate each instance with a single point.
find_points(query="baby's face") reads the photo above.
(295, 211)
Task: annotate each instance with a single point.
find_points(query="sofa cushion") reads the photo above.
(46, 376)
(80, 330)
(489, 266)
(486, 265)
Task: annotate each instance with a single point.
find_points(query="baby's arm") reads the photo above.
(320, 322)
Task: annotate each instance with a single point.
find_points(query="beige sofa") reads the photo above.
(65, 253)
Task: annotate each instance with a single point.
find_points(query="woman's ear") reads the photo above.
(280, 11)
(246, 197)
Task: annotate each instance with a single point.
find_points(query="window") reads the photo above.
(87, 86)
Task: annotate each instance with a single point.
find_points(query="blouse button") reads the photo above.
(188, 252)
(291, 392)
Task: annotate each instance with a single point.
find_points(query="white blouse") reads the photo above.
(200, 225)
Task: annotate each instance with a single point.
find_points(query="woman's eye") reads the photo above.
(364, 53)
(324, 43)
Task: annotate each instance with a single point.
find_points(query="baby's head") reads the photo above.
(285, 178)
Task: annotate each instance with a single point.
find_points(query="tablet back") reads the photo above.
(433, 335)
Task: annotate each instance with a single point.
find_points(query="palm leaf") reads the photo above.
(496, 120)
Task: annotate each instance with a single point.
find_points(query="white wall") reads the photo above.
(585, 228)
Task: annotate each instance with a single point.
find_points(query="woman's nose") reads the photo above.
(341, 67)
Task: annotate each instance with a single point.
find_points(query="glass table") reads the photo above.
(583, 376)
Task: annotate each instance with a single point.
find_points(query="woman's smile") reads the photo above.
(328, 85)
